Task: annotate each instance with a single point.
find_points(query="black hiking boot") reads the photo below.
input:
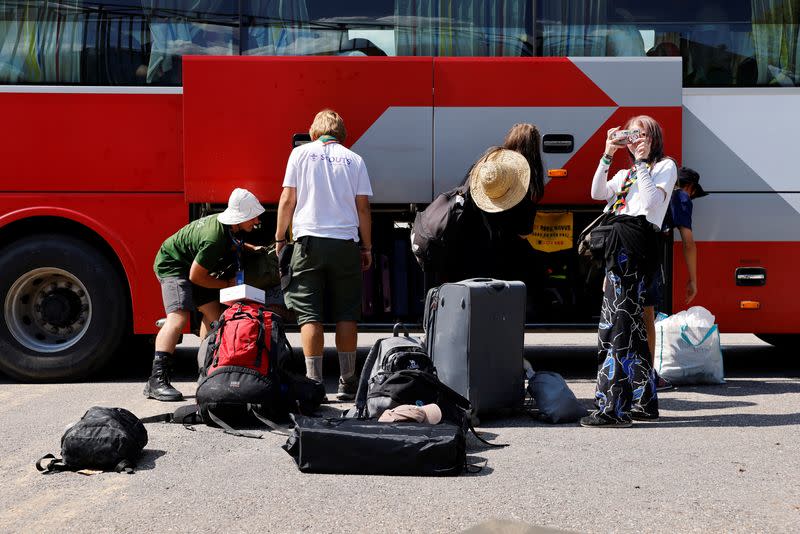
(347, 388)
(158, 386)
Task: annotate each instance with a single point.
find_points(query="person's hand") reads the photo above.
(691, 291)
(611, 147)
(642, 149)
(279, 245)
(366, 258)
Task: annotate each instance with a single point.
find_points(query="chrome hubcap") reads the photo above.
(48, 309)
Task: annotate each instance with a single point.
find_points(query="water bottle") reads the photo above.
(239, 277)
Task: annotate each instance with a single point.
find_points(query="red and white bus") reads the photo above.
(125, 119)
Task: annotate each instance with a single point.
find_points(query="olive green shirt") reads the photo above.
(205, 241)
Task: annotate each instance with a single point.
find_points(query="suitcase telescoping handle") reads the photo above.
(497, 285)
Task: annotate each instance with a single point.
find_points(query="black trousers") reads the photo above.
(625, 377)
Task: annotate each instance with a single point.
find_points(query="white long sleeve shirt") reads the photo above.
(649, 195)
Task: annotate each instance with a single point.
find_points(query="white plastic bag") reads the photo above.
(688, 348)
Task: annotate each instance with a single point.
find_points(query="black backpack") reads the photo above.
(398, 371)
(110, 439)
(437, 227)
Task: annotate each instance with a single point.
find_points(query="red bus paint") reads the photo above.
(241, 112)
(109, 215)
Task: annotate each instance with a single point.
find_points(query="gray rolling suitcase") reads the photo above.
(475, 335)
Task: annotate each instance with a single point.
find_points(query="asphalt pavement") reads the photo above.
(721, 459)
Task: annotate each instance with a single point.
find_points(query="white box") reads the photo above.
(229, 295)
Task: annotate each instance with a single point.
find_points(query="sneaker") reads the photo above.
(347, 388)
(595, 420)
(663, 384)
(641, 415)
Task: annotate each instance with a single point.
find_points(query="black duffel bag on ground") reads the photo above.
(369, 447)
(108, 439)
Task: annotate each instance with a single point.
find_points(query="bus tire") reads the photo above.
(64, 308)
(780, 341)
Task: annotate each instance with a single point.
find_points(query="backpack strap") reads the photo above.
(54, 464)
(230, 430)
(475, 433)
(363, 382)
(260, 344)
(125, 466)
(186, 414)
(273, 426)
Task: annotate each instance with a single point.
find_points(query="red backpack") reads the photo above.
(247, 371)
(244, 339)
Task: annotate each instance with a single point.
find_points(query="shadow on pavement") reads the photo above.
(727, 420)
(148, 459)
(680, 405)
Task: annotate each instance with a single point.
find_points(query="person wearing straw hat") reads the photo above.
(183, 266)
(498, 186)
(499, 181)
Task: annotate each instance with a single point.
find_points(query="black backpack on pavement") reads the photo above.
(109, 439)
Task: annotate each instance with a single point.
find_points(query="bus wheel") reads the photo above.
(64, 309)
(781, 341)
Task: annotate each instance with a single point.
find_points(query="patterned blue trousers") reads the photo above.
(625, 377)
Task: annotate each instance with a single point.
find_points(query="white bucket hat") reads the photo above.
(242, 206)
(499, 181)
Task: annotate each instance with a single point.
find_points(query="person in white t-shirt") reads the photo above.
(637, 200)
(325, 196)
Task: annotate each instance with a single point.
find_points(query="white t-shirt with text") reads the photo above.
(327, 178)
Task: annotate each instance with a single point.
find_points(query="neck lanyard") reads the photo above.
(239, 244)
(620, 202)
(328, 139)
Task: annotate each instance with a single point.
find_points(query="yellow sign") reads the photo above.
(552, 231)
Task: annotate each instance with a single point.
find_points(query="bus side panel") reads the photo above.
(240, 114)
(580, 97)
(79, 141)
(717, 262)
(133, 225)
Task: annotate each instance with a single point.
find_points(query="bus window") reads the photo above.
(195, 27)
(433, 28)
(731, 43)
(110, 42)
(387, 27)
(309, 27)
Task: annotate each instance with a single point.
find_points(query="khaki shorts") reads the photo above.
(326, 280)
(180, 294)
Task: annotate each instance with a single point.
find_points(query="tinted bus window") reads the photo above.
(733, 43)
(111, 42)
(388, 28)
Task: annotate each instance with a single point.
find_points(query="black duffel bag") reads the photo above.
(109, 439)
(369, 447)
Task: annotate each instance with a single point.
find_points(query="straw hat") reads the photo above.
(242, 206)
(499, 181)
